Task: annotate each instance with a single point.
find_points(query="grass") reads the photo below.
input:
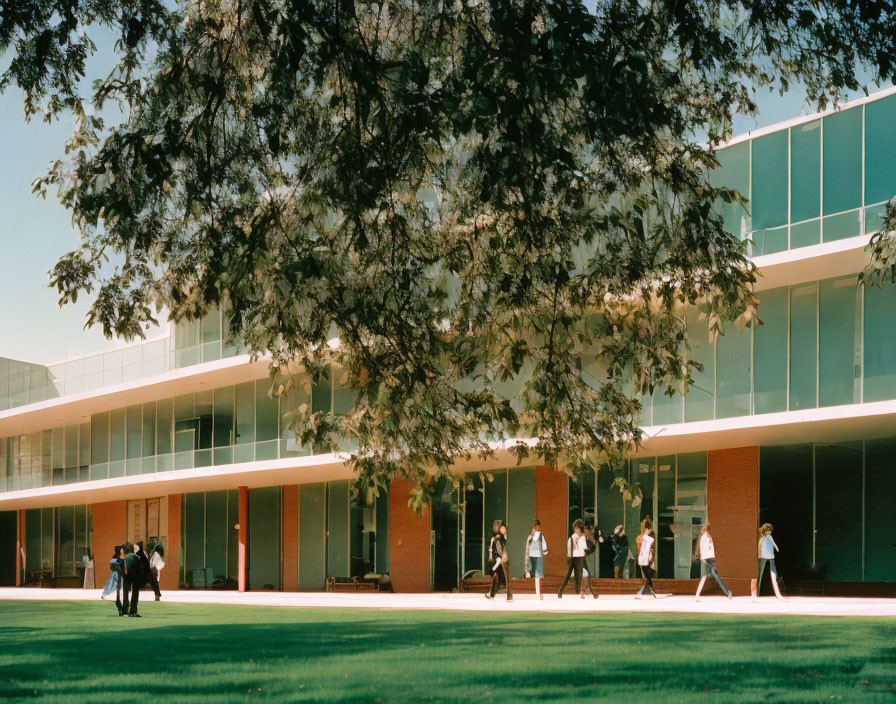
(183, 653)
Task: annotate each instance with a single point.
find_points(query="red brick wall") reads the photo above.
(551, 507)
(110, 528)
(732, 487)
(171, 573)
(290, 538)
(409, 537)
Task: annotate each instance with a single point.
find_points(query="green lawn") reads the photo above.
(181, 653)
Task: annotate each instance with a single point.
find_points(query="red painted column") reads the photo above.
(243, 514)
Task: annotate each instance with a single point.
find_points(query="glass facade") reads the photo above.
(228, 425)
(56, 541)
(824, 343)
(831, 506)
(818, 181)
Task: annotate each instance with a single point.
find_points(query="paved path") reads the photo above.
(797, 606)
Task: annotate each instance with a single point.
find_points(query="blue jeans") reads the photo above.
(708, 567)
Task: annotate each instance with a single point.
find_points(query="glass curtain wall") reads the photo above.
(823, 343)
(819, 181)
(831, 506)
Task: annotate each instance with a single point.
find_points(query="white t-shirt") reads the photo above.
(707, 549)
(644, 552)
(579, 545)
(537, 544)
(767, 548)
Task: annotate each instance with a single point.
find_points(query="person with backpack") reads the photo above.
(706, 553)
(576, 545)
(536, 549)
(497, 553)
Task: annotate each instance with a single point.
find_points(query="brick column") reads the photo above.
(551, 508)
(409, 538)
(171, 573)
(110, 528)
(732, 488)
(290, 538)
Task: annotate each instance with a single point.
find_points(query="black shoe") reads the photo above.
(134, 615)
(560, 595)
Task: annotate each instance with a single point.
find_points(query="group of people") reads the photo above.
(131, 570)
(583, 541)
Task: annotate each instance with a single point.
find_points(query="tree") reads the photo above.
(489, 215)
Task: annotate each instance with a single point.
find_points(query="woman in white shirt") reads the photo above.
(575, 551)
(706, 552)
(645, 558)
(767, 548)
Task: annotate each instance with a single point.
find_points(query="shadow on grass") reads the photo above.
(184, 652)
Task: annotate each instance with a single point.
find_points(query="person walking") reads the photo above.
(575, 553)
(156, 564)
(706, 552)
(646, 558)
(619, 543)
(592, 538)
(138, 570)
(536, 549)
(127, 571)
(767, 548)
(113, 584)
(497, 552)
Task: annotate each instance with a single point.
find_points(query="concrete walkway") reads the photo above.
(796, 606)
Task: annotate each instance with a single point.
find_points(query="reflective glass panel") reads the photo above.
(770, 353)
(769, 182)
(842, 161)
(699, 404)
(839, 342)
(805, 172)
(803, 349)
(733, 373)
(805, 234)
(880, 150)
(734, 172)
(841, 226)
(880, 343)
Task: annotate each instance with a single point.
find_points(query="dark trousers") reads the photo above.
(121, 597)
(154, 583)
(501, 578)
(135, 596)
(575, 567)
(647, 574)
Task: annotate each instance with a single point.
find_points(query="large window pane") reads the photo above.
(734, 172)
(770, 353)
(117, 435)
(880, 150)
(149, 429)
(699, 404)
(839, 342)
(204, 419)
(337, 529)
(666, 409)
(312, 535)
(842, 161)
(769, 181)
(838, 512)
(805, 172)
(223, 403)
(665, 518)
(264, 538)
(803, 350)
(880, 518)
(245, 413)
(99, 438)
(880, 343)
(164, 425)
(134, 425)
(265, 412)
(733, 373)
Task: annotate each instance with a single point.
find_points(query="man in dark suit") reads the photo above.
(139, 574)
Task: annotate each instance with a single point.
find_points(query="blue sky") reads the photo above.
(34, 233)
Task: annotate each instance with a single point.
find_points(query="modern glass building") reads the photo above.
(792, 422)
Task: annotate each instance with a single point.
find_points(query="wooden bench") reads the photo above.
(355, 584)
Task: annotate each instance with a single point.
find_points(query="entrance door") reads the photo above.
(446, 538)
(688, 521)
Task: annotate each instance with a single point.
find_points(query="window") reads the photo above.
(805, 172)
(734, 172)
(880, 150)
(733, 375)
(839, 342)
(770, 353)
(879, 344)
(803, 348)
(842, 184)
(769, 183)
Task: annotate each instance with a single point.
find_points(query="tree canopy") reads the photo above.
(488, 215)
